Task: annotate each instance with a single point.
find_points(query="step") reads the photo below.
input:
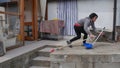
(38, 67)
(45, 52)
(41, 61)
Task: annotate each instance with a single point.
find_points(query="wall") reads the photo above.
(52, 10)
(20, 60)
(118, 13)
(104, 9)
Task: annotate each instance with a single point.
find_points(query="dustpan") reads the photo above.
(90, 45)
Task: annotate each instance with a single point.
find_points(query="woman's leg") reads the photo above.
(85, 35)
(78, 33)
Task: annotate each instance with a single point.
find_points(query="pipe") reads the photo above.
(114, 19)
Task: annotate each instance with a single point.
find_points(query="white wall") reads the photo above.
(118, 13)
(104, 9)
(52, 10)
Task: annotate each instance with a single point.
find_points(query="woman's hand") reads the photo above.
(92, 36)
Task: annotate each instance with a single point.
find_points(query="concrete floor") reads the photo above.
(109, 48)
(100, 48)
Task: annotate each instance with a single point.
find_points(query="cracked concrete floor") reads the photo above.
(99, 48)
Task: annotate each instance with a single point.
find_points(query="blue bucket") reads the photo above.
(88, 45)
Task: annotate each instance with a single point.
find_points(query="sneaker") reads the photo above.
(84, 41)
(70, 46)
(68, 42)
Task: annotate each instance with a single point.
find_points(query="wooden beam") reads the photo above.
(36, 18)
(10, 13)
(22, 20)
(33, 22)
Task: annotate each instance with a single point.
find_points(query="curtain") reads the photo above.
(67, 10)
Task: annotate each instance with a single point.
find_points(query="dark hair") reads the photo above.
(92, 15)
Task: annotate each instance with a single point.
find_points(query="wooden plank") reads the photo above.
(27, 23)
(10, 13)
(29, 38)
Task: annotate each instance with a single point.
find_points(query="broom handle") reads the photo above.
(98, 36)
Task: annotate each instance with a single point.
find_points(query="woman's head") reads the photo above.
(93, 17)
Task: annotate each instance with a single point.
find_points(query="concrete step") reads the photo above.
(38, 67)
(41, 61)
(45, 52)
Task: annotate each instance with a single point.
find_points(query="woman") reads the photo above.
(82, 27)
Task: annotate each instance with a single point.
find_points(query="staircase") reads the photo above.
(42, 60)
